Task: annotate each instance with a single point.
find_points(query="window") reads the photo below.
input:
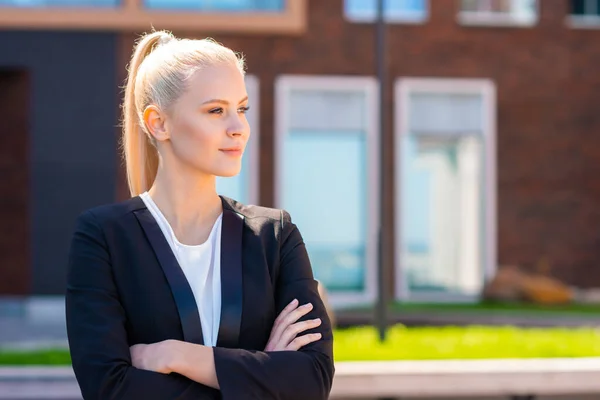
(584, 13)
(499, 12)
(60, 3)
(218, 5)
(394, 10)
(585, 7)
(327, 177)
(280, 17)
(244, 187)
(445, 179)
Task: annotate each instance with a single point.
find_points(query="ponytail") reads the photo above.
(139, 152)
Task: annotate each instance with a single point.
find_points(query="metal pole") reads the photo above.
(381, 264)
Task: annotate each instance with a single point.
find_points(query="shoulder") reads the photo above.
(254, 215)
(107, 213)
(249, 211)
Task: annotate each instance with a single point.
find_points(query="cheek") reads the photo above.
(195, 142)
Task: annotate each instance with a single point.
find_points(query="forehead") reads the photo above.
(221, 81)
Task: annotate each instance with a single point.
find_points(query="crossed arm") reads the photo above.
(197, 361)
(108, 368)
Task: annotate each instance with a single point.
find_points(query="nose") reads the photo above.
(237, 128)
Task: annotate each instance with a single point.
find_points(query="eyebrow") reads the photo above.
(224, 101)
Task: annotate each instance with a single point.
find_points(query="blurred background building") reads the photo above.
(491, 158)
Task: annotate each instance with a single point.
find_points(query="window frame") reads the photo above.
(132, 16)
(586, 21)
(388, 19)
(470, 18)
(253, 89)
(403, 88)
(284, 84)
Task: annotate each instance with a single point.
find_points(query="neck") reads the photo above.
(188, 200)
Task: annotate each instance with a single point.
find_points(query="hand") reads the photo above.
(284, 331)
(155, 357)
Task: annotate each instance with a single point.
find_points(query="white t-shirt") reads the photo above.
(201, 265)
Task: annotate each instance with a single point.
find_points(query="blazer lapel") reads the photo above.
(231, 277)
(182, 292)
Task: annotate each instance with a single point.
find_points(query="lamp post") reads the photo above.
(381, 309)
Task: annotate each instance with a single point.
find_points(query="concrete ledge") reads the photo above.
(354, 380)
(38, 383)
(467, 378)
(41, 390)
(34, 373)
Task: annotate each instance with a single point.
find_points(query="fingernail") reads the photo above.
(317, 320)
(308, 305)
(294, 301)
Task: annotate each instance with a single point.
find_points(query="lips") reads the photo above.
(234, 151)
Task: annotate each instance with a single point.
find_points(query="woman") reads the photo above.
(178, 293)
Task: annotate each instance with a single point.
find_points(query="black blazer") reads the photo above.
(125, 287)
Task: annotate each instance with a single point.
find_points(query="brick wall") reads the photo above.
(14, 183)
(548, 85)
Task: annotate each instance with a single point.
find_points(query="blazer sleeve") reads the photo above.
(286, 375)
(96, 330)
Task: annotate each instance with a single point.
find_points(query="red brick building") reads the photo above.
(490, 158)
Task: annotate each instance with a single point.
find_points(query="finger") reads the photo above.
(290, 334)
(302, 341)
(293, 330)
(304, 325)
(288, 320)
(278, 325)
(297, 314)
(288, 309)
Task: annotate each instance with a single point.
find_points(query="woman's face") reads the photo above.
(207, 127)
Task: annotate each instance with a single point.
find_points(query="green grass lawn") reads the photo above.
(429, 343)
(473, 342)
(41, 357)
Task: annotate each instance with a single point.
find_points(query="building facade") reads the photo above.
(490, 157)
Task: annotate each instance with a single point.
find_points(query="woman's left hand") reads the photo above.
(155, 357)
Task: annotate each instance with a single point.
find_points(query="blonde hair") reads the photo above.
(159, 68)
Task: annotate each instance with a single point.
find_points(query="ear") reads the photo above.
(155, 122)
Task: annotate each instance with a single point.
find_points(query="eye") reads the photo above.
(218, 110)
(244, 110)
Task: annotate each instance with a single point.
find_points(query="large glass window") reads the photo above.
(326, 171)
(444, 178)
(60, 3)
(218, 5)
(394, 10)
(244, 187)
(287, 17)
(511, 12)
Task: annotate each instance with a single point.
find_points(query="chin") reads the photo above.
(228, 173)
